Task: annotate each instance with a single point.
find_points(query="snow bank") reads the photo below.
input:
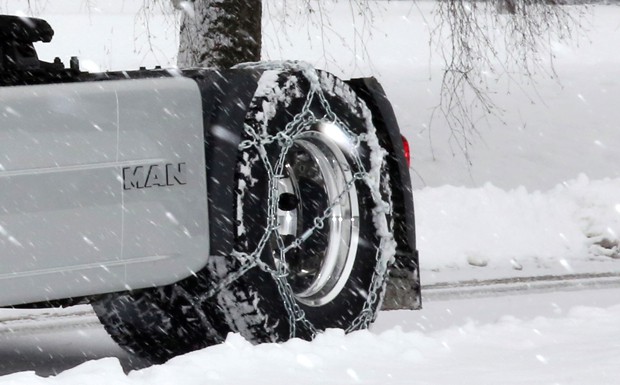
(510, 351)
(576, 222)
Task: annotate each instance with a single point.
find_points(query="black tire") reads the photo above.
(301, 116)
(158, 324)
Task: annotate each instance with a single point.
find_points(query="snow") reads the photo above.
(541, 196)
(473, 226)
(575, 348)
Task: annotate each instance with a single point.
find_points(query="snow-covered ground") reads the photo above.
(549, 338)
(541, 196)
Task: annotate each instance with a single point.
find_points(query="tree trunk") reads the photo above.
(219, 33)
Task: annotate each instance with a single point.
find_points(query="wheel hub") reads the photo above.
(288, 202)
(316, 184)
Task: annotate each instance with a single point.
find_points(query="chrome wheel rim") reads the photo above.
(316, 182)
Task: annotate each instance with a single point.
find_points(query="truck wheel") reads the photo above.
(158, 324)
(313, 239)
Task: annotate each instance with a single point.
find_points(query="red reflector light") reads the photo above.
(407, 151)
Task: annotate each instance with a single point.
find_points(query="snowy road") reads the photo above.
(520, 285)
(50, 342)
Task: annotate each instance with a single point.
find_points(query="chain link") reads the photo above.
(285, 140)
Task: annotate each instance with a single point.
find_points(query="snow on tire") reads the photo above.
(312, 241)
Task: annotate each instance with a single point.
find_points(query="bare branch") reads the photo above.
(483, 40)
(310, 15)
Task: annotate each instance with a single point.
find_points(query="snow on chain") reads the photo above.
(276, 94)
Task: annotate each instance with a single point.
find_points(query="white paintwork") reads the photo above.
(67, 226)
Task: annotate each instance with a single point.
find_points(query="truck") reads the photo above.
(270, 199)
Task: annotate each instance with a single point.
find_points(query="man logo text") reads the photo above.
(155, 175)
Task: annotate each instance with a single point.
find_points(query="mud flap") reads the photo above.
(403, 286)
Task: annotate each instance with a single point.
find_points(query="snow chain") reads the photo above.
(301, 123)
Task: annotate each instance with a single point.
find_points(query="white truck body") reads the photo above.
(102, 187)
